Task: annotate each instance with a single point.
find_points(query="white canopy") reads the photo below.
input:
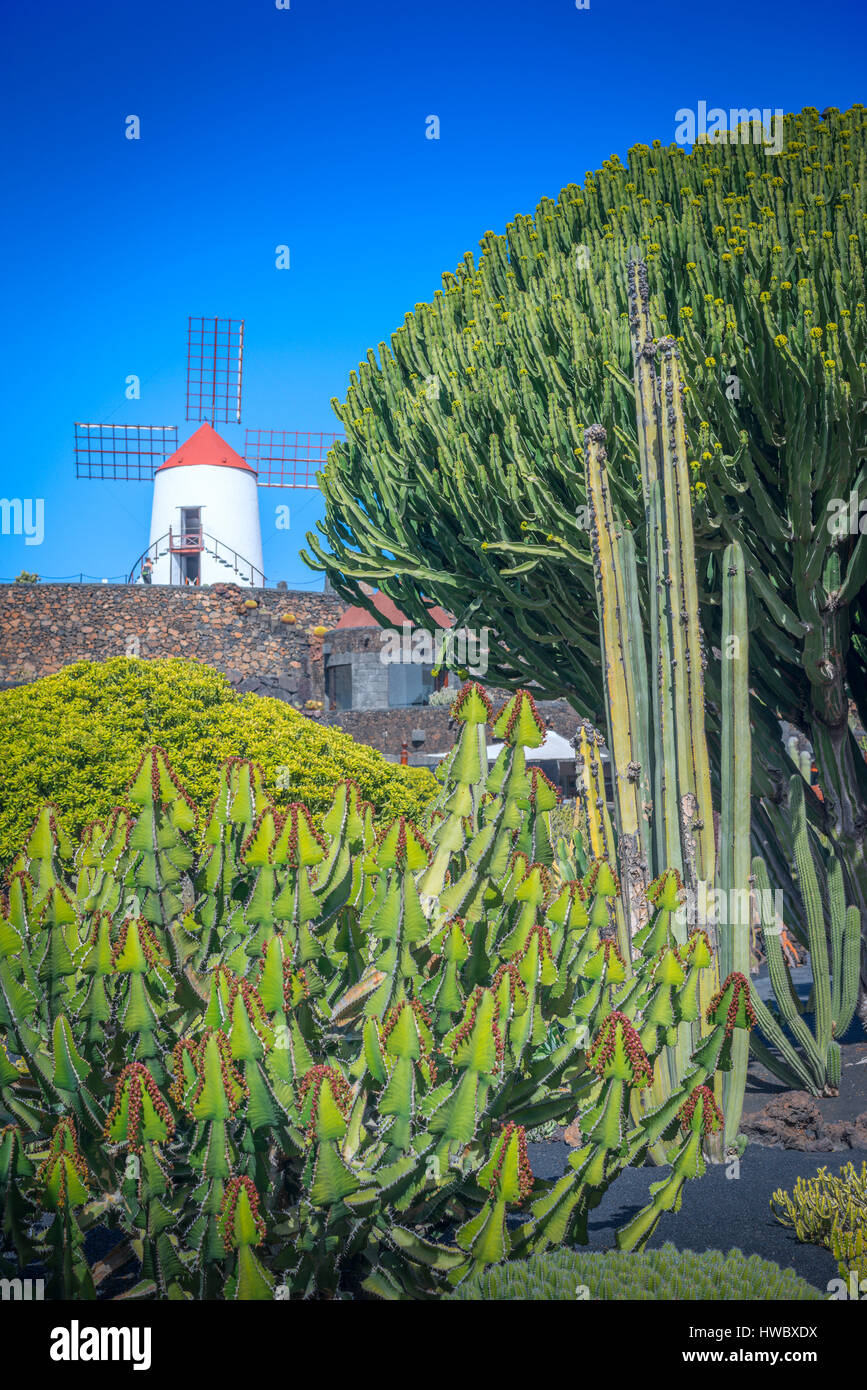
(555, 748)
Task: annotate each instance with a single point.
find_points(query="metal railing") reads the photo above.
(188, 542)
(225, 554)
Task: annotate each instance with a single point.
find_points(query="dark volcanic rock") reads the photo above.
(795, 1121)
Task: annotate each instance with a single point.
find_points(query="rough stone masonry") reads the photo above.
(44, 627)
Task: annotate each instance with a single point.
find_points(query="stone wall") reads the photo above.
(44, 627)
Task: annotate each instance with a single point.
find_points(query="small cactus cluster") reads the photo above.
(832, 1212)
(663, 1274)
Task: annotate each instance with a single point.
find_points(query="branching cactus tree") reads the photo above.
(301, 1061)
(755, 266)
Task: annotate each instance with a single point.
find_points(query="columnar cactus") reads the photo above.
(657, 728)
(800, 1057)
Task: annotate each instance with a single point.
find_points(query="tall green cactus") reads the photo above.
(755, 262)
(733, 926)
(656, 728)
(791, 1051)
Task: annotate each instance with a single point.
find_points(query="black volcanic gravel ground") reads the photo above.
(720, 1213)
(717, 1213)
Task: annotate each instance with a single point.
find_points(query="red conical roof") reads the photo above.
(206, 446)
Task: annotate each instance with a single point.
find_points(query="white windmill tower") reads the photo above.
(205, 513)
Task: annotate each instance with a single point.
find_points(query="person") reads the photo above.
(147, 566)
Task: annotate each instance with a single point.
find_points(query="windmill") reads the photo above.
(205, 513)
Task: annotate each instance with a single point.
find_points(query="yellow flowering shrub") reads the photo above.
(75, 738)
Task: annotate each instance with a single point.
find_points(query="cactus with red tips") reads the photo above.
(299, 1082)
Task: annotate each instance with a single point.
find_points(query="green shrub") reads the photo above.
(75, 739)
(653, 1274)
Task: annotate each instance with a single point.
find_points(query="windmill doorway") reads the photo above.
(190, 569)
(189, 550)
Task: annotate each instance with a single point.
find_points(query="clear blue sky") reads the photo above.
(306, 127)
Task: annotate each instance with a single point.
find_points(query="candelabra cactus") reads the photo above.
(289, 1060)
(755, 264)
(509, 1180)
(17, 1210)
(242, 1228)
(64, 1184)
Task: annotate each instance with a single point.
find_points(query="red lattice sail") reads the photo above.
(287, 458)
(215, 359)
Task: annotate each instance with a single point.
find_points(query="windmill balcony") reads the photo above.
(187, 542)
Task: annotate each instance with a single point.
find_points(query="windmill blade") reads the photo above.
(215, 358)
(122, 453)
(287, 458)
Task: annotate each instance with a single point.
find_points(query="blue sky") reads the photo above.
(306, 127)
